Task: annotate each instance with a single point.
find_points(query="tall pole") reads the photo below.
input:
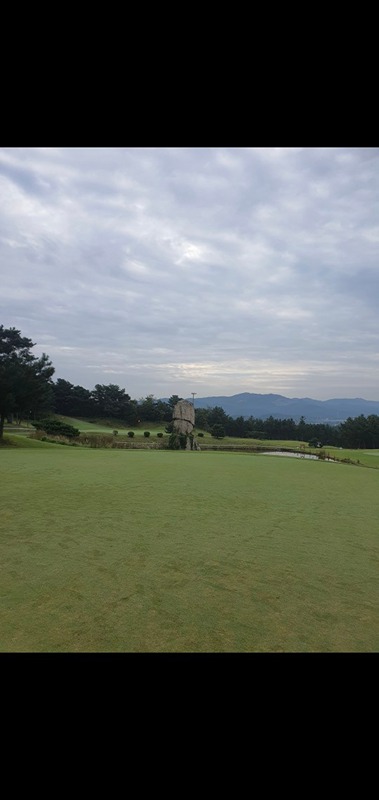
(193, 398)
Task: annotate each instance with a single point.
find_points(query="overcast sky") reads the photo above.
(208, 270)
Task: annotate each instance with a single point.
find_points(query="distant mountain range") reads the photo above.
(262, 406)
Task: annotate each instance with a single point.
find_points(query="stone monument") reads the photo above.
(183, 418)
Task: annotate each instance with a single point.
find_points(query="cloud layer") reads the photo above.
(216, 271)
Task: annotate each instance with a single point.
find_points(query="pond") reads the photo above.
(290, 455)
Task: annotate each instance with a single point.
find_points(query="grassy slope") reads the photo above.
(17, 440)
(103, 426)
(162, 551)
(96, 427)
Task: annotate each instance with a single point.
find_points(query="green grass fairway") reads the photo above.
(19, 441)
(109, 426)
(86, 427)
(158, 551)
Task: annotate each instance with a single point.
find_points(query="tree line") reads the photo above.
(27, 391)
(360, 432)
(109, 402)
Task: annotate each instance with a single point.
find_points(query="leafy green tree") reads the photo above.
(148, 409)
(360, 432)
(302, 429)
(72, 401)
(111, 401)
(237, 427)
(173, 400)
(373, 431)
(25, 381)
(163, 411)
(63, 397)
(218, 431)
(217, 416)
(202, 418)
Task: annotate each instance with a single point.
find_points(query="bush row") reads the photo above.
(108, 440)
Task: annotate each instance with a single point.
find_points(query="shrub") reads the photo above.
(98, 440)
(200, 434)
(314, 443)
(174, 442)
(115, 433)
(84, 439)
(55, 427)
(37, 435)
(180, 441)
(130, 434)
(160, 435)
(147, 434)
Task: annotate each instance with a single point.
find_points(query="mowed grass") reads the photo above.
(107, 426)
(87, 427)
(151, 551)
(21, 441)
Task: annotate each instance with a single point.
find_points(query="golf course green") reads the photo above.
(163, 551)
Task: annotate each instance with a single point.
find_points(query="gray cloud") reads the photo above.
(214, 270)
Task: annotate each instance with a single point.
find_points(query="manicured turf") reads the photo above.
(21, 441)
(108, 550)
(86, 426)
(107, 426)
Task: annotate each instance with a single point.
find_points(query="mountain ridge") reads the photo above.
(333, 411)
